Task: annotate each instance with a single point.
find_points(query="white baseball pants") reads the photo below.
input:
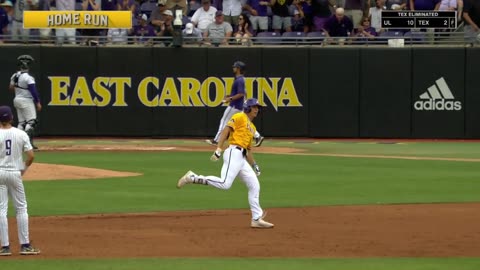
(235, 164)
(26, 111)
(11, 184)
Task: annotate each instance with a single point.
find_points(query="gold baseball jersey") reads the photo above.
(243, 130)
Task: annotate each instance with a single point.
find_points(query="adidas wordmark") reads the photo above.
(438, 97)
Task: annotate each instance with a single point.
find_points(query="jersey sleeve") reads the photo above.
(30, 80)
(235, 121)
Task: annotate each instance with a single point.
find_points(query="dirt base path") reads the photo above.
(429, 230)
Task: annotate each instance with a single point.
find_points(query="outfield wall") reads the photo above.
(309, 92)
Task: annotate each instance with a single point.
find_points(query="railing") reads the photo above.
(391, 38)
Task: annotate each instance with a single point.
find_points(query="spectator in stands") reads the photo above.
(259, 16)
(204, 16)
(166, 30)
(244, 30)
(68, 33)
(218, 32)
(144, 32)
(126, 5)
(108, 5)
(231, 10)
(396, 4)
(92, 34)
(157, 18)
(365, 31)
(191, 34)
(321, 12)
(18, 32)
(193, 5)
(281, 15)
(375, 15)
(354, 10)
(471, 16)
(298, 24)
(174, 5)
(339, 25)
(424, 4)
(118, 36)
(6, 8)
(448, 5)
(44, 5)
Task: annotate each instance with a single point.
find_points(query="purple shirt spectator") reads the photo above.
(3, 21)
(238, 88)
(261, 9)
(425, 4)
(339, 28)
(143, 32)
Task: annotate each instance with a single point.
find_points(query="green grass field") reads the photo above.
(287, 181)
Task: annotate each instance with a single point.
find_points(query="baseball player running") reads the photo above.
(237, 161)
(26, 101)
(236, 99)
(13, 142)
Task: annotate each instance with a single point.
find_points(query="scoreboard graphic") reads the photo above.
(419, 19)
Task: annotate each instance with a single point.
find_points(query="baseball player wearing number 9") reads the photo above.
(13, 143)
(238, 160)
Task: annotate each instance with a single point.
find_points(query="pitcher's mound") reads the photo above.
(42, 171)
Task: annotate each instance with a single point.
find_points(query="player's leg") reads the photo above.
(227, 114)
(248, 176)
(71, 33)
(4, 239)
(16, 28)
(19, 200)
(233, 161)
(60, 34)
(19, 107)
(30, 115)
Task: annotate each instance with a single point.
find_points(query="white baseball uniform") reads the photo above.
(23, 101)
(13, 142)
(235, 163)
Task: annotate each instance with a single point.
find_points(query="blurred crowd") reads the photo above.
(223, 22)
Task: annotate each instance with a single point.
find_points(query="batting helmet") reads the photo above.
(24, 61)
(239, 64)
(249, 103)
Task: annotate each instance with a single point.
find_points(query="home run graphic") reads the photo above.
(438, 97)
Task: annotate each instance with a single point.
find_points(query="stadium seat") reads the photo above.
(293, 37)
(385, 36)
(316, 37)
(78, 6)
(268, 38)
(414, 37)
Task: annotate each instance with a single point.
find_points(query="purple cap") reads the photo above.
(218, 13)
(5, 114)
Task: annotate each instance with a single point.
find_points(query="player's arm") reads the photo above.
(252, 162)
(221, 142)
(33, 90)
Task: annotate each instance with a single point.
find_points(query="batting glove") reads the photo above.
(256, 168)
(216, 155)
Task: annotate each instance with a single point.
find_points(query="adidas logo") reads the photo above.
(438, 97)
